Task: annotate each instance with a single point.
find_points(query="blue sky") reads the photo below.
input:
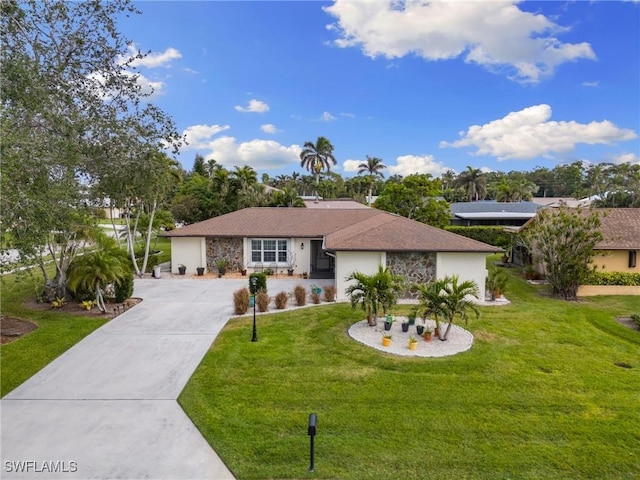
(425, 86)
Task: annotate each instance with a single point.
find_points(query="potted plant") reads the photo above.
(419, 329)
(496, 283)
(221, 265)
(243, 269)
(428, 332)
(413, 343)
(182, 269)
(200, 271)
(412, 317)
(386, 340)
(405, 326)
(291, 261)
(388, 322)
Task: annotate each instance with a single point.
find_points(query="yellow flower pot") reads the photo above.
(413, 345)
(386, 342)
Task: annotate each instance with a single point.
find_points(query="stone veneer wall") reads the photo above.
(227, 248)
(415, 267)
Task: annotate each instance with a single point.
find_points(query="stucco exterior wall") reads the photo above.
(615, 261)
(188, 251)
(348, 262)
(468, 266)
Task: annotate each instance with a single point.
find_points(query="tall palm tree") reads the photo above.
(474, 183)
(316, 157)
(373, 166)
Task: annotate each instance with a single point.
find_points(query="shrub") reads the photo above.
(636, 318)
(301, 295)
(262, 281)
(329, 293)
(488, 234)
(612, 278)
(241, 301)
(315, 297)
(124, 288)
(281, 300)
(262, 301)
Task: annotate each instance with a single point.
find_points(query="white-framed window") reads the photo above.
(268, 250)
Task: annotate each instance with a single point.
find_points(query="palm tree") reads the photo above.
(474, 183)
(372, 292)
(373, 166)
(94, 271)
(432, 300)
(316, 157)
(458, 302)
(363, 292)
(446, 298)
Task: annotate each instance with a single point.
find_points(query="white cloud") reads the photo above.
(327, 117)
(151, 59)
(226, 150)
(256, 153)
(199, 136)
(410, 164)
(496, 35)
(158, 59)
(631, 158)
(254, 106)
(528, 133)
(149, 88)
(590, 84)
(269, 128)
(350, 165)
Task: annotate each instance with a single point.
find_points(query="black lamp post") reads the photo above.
(254, 289)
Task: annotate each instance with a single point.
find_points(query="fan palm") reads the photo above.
(316, 157)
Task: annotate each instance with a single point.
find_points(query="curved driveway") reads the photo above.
(107, 407)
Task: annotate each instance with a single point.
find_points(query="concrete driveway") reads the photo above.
(107, 407)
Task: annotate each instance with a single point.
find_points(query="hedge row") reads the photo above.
(493, 235)
(613, 278)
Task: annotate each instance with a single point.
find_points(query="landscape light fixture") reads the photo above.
(254, 289)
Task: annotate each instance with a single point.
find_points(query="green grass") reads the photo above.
(537, 397)
(56, 333)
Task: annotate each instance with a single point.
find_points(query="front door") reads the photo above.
(322, 265)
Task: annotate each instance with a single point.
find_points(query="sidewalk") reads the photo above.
(107, 407)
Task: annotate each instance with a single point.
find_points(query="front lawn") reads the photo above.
(538, 396)
(56, 333)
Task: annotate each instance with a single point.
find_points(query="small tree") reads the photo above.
(373, 292)
(564, 240)
(446, 299)
(94, 271)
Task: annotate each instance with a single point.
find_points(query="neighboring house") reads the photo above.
(329, 243)
(492, 213)
(618, 251)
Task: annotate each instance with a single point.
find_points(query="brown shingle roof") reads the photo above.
(620, 228)
(344, 229)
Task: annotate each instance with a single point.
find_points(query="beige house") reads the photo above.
(618, 251)
(328, 243)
